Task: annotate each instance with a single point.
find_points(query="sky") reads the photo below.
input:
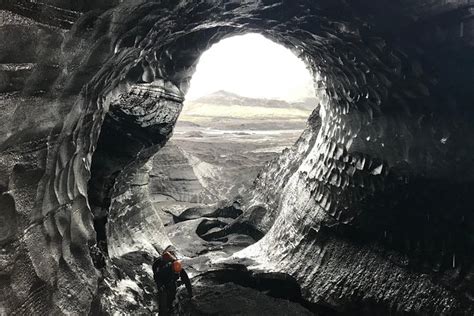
(252, 66)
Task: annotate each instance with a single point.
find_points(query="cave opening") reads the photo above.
(369, 213)
(135, 202)
(236, 84)
(342, 189)
(248, 99)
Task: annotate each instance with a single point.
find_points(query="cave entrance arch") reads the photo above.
(140, 120)
(142, 111)
(130, 77)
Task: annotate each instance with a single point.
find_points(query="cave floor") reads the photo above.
(222, 284)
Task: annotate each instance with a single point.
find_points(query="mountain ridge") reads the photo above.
(226, 98)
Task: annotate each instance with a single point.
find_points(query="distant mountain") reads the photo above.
(223, 110)
(225, 98)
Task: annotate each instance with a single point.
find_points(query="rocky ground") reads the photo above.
(207, 165)
(220, 143)
(222, 283)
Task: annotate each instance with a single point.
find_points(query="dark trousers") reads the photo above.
(166, 296)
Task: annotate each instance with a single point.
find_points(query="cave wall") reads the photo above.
(369, 211)
(173, 177)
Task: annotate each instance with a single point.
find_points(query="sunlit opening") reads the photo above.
(251, 66)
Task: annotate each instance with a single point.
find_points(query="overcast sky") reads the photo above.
(253, 66)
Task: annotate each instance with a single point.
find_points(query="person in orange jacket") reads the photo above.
(167, 271)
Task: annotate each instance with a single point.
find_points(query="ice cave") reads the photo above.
(368, 213)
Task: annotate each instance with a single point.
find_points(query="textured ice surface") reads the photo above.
(369, 211)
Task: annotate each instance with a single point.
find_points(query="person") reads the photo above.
(167, 271)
